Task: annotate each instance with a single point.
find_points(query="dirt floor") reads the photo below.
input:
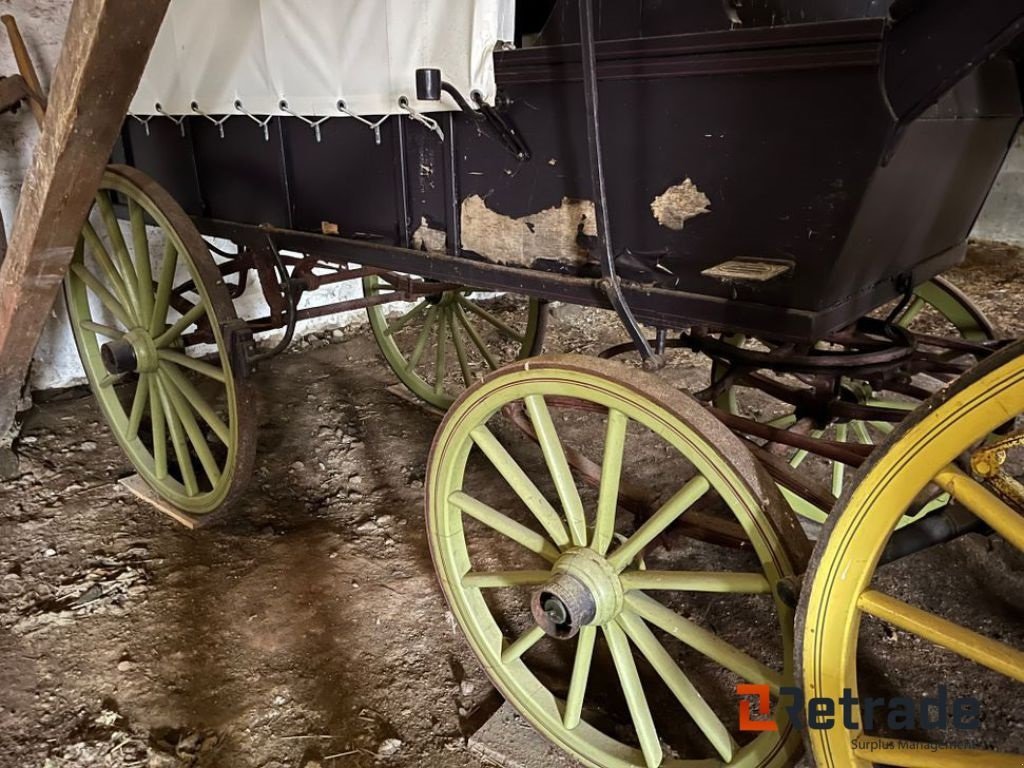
(307, 629)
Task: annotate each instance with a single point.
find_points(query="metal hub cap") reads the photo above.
(118, 357)
(136, 352)
(584, 590)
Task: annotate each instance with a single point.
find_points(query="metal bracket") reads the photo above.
(241, 346)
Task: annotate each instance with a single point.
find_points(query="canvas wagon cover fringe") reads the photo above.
(313, 53)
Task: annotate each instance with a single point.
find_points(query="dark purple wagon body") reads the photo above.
(849, 157)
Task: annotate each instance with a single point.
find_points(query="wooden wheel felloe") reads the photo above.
(138, 310)
(449, 340)
(601, 638)
(937, 308)
(948, 443)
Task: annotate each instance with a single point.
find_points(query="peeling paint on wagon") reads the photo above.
(678, 204)
(550, 234)
(429, 239)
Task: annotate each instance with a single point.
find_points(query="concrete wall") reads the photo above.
(56, 365)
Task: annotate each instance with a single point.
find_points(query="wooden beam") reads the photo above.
(105, 50)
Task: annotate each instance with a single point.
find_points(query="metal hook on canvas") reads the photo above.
(211, 118)
(314, 124)
(177, 120)
(375, 127)
(403, 103)
(264, 124)
(144, 120)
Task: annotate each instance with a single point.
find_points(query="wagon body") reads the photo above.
(783, 180)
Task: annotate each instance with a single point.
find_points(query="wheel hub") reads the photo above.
(584, 590)
(136, 352)
(118, 357)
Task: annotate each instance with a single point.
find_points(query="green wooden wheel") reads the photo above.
(184, 421)
(938, 308)
(610, 646)
(449, 340)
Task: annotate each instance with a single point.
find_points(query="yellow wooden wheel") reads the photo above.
(604, 637)
(948, 444)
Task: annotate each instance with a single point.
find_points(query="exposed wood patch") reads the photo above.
(678, 204)
(549, 234)
(428, 239)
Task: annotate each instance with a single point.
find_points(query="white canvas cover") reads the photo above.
(313, 53)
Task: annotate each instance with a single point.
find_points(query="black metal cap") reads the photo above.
(428, 84)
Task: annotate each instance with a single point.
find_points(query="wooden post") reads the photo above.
(106, 48)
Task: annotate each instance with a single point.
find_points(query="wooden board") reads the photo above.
(141, 490)
(105, 51)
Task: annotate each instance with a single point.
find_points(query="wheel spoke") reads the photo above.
(407, 318)
(801, 455)
(892, 405)
(172, 334)
(460, 350)
(558, 466)
(199, 404)
(504, 525)
(101, 330)
(861, 430)
(162, 302)
(783, 422)
(523, 486)
(911, 312)
(906, 754)
(139, 402)
(421, 342)
(697, 581)
(666, 667)
(475, 338)
(502, 327)
(611, 472)
(159, 425)
(526, 641)
(192, 430)
(179, 441)
(106, 297)
(124, 259)
(140, 241)
(439, 357)
(110, 380)
(1003, 519)
(704, 642)
(127, 296)
(636, 701)
(503, 579)
(193, 364)
(960, 640)
(838, 468)
(669, 512)
(580, 676)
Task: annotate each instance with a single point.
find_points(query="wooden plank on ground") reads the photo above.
(105, 51)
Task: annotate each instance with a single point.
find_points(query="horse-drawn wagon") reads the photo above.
(776, 185)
